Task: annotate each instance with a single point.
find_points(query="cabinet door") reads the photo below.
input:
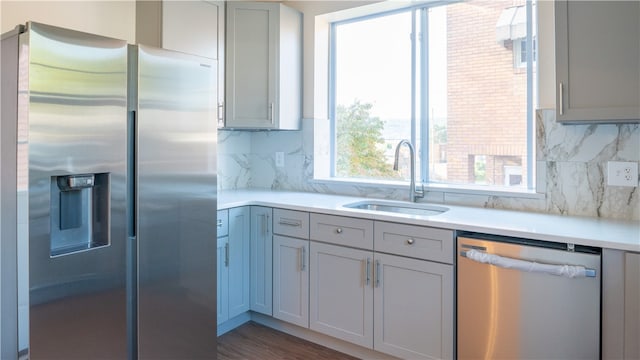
(197, 27)
(597, 61)
(223, 279)
(291, 280)
(632, 306)
(341, 293)
(193, 27)
(261, 260)
(413, 308)
(252, 33)
(239, 254)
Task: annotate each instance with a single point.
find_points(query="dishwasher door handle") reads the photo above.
(569, 271)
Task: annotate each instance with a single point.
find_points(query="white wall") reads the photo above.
(114, 19)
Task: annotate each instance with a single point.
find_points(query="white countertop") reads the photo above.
(605, 233)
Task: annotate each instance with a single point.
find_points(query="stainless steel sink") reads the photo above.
(397, 208)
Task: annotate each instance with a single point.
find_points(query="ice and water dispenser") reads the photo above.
(79, 213)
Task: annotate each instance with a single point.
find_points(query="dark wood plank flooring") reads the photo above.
(255, 341)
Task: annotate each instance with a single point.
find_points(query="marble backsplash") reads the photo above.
(571, 165)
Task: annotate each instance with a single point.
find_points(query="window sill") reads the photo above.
(435, 187)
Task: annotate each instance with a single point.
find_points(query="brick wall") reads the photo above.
(486, 94)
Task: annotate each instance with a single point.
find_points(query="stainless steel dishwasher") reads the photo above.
(524, 299)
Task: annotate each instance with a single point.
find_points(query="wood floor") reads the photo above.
(254, 341)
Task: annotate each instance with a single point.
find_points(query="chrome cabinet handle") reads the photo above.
(287, 222)
(303, 264)
(368, 271)
(410, 241)
(561, 99)
(219, 223)
(226, 255)
(339, 230)
(272, 112)
(377, 273)
(267, 225)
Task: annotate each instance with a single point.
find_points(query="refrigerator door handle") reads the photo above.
(569, 271)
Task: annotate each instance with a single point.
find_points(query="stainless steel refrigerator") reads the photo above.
(112, 148)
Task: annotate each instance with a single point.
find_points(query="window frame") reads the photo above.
(423, 174)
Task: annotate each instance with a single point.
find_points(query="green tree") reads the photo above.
(360, 143)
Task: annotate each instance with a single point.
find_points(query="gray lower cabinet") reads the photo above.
(388, 295)
(291, 280)
(222, 280)
(632, 306)
(261, 260)
(414, 292)
(233, 263)
(238, 260)
(620, 305)
(413, 303)
(291, 266)
(341, 293)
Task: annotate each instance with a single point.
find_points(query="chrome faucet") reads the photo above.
(413, 192)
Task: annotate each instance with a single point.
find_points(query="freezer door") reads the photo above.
(176, 205)
(71, 177)
(504, 313)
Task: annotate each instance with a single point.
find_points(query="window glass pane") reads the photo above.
(479, 131)
(457, 89)
(437, 78)
(372, 95)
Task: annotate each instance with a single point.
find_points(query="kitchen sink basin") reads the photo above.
(397, 208)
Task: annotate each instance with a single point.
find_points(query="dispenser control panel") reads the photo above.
(74, 182)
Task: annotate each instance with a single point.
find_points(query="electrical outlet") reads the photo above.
(279, 159)
(622, 173)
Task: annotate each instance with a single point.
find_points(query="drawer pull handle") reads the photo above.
(410, 241)
(219, 223)
(339, 230)
(290, 223)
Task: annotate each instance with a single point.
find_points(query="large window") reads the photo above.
(444, 78)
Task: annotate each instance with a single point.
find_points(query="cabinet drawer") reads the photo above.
(414, 241)
(223, 223)
(291, 223)
(342, 231)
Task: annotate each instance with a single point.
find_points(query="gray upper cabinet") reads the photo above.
(264, 66)
(194, 27)
(197, 27)
(597, 61)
